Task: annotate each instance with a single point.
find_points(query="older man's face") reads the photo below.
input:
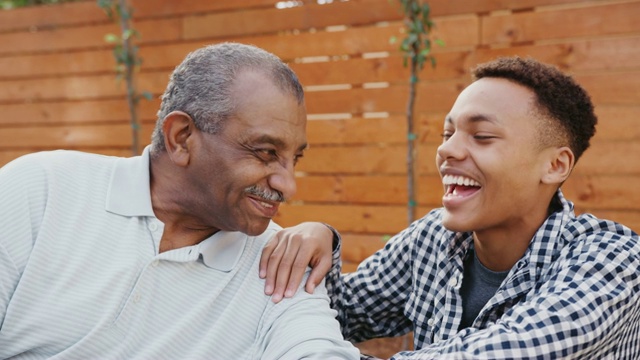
(243, 173)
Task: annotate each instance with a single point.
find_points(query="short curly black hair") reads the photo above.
(559, 97)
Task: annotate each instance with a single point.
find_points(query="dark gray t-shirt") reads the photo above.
(478, 286)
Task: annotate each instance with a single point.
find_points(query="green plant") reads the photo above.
(417, 51)
(127, 59)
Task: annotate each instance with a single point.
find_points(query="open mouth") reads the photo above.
(459, 186)
(266, 208)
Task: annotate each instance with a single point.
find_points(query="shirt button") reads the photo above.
(154, 263)
(136, 298)
(153, 226)
(453, 282)
(430, 322)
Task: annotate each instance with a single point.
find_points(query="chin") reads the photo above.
(255, 229)
(455, 223)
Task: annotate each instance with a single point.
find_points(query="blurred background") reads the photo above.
(61, 86)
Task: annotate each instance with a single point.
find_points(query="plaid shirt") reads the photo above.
(574, 294)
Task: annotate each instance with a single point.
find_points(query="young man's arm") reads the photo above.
(370, 302)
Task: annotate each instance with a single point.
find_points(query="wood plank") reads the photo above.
(305, 17)
(85, 37)
(612, 88)
(617, 123)
(58, 113)
(431, 96)
(615, 157)
(386, 69)
(163, 8)
(357, 131)
(50, 16)
(360, 40)
(593, 54)
(78, 87)
(347, 218)
(457, 7)
(36, 66)
(357, 247)
(372, 190)
(110, 135)
(596, 20)
(608, 192)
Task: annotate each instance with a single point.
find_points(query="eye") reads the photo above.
(483, 137)
(266, 155)
(446, 135)
(297, 158)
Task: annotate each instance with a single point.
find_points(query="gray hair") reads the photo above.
(201, 85)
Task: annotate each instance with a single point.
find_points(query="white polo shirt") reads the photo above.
(81, 276)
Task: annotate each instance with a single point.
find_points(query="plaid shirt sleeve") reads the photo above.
(370, 301)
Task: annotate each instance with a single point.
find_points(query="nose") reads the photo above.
(283, 179)
(452, 148)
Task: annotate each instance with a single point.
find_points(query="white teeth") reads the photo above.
(459, 180)
(266, 205)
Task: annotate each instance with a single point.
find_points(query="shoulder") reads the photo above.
(590, 239)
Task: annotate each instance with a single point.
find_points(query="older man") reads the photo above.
(157, 256)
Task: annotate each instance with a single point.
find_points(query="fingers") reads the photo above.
(318, 273)
(266, 253)
(282, 273)
(272, 258)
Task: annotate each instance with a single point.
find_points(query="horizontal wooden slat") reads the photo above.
(373, 219)
(612, 192)
(55, 113)
(619, 88)
(308, 16)
(110, 135)
(78, 88)
(49, 16)
(75, 13)
(384, 190)
(87, 37)
(597, 20)
(610, 157)
(357, 247)
(617, 123)
(146, 8)
(594, 54)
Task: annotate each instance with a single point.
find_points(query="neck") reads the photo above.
(499, 248)
(181, 228)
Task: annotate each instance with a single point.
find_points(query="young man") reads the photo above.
(505, 269)
(156, 256)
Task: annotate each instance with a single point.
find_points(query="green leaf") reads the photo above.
(111, 38)
(147, 95)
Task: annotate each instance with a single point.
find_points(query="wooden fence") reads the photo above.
(58, 90)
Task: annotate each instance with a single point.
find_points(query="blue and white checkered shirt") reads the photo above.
(575, 294)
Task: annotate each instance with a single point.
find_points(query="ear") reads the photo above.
(178, 129)
(559, 165)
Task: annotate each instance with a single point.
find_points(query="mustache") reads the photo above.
(266, 194)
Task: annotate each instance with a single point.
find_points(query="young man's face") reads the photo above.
(490, 160)
(257, 149)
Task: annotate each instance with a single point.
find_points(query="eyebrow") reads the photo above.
(474, 119)
(277, 142)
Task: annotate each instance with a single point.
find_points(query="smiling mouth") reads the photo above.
(265, 207)
(459, 186)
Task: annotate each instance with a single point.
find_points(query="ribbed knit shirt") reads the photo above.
(82, 276)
